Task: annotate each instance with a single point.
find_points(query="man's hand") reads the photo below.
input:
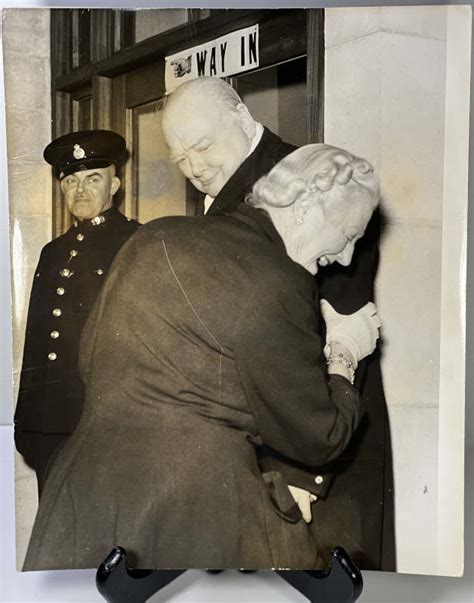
(181, 66)
(303, 499)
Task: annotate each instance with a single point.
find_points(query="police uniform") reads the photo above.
(67, 280)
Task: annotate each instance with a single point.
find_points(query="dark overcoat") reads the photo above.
(202, 345)
(355, 506)
(68, 278)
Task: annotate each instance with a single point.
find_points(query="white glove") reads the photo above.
(357, 332)
(303, 499)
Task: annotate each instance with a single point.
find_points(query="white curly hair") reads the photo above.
(313, 169)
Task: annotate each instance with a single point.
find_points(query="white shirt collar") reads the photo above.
(208, 200)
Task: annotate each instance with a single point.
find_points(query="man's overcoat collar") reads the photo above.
(269, 151)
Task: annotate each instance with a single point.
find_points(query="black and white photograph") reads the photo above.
(238, 271)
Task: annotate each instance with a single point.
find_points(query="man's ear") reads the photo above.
(114, 185)
(246, 120)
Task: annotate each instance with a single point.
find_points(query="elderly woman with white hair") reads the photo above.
(201, 348)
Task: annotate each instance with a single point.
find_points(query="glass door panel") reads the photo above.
(277, 97)
(158, 188)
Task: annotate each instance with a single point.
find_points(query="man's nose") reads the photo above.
(80, 186)
(197, 166)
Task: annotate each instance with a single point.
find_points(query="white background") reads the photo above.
(198, 586)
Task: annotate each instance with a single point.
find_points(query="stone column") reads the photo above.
(385, 100)
(26, 51)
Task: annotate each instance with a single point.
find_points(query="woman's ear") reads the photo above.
(305, 202)
(114, 185)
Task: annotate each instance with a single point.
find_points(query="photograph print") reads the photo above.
(238, 269)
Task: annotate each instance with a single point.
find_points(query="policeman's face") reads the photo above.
(207, 141)
(89, 193)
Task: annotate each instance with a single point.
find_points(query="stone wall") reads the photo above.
(26, 50)
(385, 100)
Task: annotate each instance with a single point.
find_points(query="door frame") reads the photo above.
(280, 39)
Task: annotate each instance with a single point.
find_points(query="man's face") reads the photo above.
(206, 141)
(89, 193)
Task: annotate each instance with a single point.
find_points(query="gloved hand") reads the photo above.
(358, 332)
(303, 499)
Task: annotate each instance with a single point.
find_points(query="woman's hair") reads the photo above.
(313, 168)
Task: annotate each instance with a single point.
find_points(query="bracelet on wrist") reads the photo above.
(343, 361)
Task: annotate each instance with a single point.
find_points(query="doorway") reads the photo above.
(123, 90)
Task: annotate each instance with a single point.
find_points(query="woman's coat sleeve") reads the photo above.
(282, 369)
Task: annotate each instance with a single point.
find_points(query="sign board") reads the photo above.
(225, 56)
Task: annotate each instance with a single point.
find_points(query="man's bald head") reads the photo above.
(213, 89)
(209, 131)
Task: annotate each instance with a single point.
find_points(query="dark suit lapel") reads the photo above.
(236, 187)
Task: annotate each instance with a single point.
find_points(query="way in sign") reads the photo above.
(217, 61)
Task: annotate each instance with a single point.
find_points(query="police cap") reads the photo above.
(85, 150)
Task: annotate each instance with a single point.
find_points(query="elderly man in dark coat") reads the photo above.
(67, 280)
(224, 151)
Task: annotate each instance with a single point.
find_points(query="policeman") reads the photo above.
(68, 278)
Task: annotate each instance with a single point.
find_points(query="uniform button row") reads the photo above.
(54, 334)
(52, 356)
(80, 237)
(66, 272)
(60, 290)
(73, 253)
(57, 312)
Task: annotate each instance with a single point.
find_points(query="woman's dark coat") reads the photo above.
(355, 495)
(202, 345)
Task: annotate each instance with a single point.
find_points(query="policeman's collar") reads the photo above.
(100, 219)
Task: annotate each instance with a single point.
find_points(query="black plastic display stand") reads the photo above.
(118, 584)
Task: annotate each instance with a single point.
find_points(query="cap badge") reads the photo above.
(78, 152)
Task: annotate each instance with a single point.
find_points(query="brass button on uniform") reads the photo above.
(54, 334)
(319, 479)
(65, 272)
(60, 291)
(100, 271)
(80, 237)
(73, 253)
(52, 356)
(57, 312)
